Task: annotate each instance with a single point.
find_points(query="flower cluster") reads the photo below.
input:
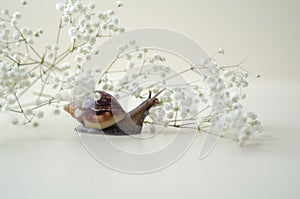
(218, 90)
(194, 103)
(86, 25)
(226, 84)
(21, 71)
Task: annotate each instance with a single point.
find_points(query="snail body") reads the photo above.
(106, 115)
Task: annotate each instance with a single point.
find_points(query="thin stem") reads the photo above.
(47, 103)
(31, 63)
(180, 73)
(110, 65)
(24, 38)
(12, 59)
(19, 104)
(57, 40)
(143, 64)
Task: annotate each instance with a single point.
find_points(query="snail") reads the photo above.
(105, 115)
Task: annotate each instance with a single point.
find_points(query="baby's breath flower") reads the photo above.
(119, 3)
(5, 12)
(252, 115)
(221, 51)
(66, 18)
(130, 64)
(17, 15)
(170, 115)
(24, 2)
(13, 22)
(92, 5)
(78, 59)
(29, 41)
(60, 6)
(85, 25)
(245, 74)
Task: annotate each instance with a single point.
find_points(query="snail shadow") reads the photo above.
(91, 131)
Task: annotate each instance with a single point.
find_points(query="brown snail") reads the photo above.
(106, 115)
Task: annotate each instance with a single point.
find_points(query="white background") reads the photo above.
(50, 162)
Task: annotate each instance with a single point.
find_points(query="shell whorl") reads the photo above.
(97, 113)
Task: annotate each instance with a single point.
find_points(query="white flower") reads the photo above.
(29, 41)
(78, 59)
(221, 51)
(130, 64)
(24, 2)
(66, 18)
(92, 5)
(234, 96)
(17, 15)
(60, 6)
(245, 74)
(251, 115)
(137, 92)
(5, 12)
(244, 84)
(170, 115)
(88, 25)
(13, 22)
(119, 3)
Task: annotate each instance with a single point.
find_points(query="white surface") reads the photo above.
(50, 162)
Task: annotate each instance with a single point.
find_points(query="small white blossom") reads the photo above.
(66, 18)
(252, 115)
(17, 15)
(5, 12)
(119, 3)
(24, 2)
(92, 5)
(221, 51)
(170, 115)
(60, 6)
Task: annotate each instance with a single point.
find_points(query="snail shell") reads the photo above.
(106, 115)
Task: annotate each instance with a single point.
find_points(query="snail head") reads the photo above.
(154, 99)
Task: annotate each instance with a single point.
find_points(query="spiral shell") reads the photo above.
(99, 113)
